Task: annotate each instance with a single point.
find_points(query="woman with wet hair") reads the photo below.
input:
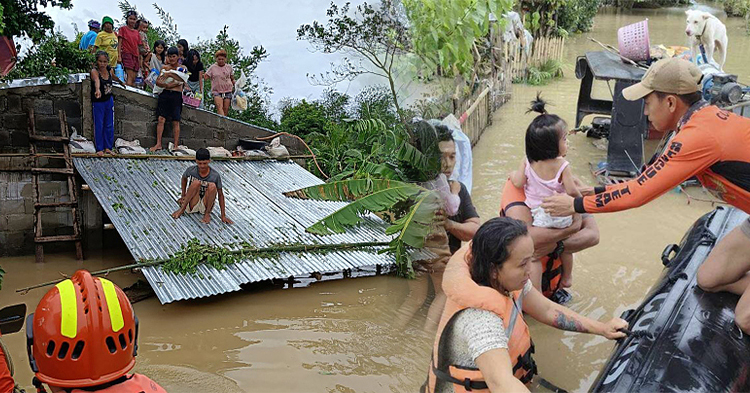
(483, 341)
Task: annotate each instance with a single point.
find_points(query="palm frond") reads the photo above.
(352, 214)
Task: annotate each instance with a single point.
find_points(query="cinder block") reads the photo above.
(12, 206)
(133, 129)
(202, 132)
(17, 121)
(14, 103)
(20, 222)
(71, 107)
(19, 139)
(43, 107)
(48, 125)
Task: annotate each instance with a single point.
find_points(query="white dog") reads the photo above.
(705, 29)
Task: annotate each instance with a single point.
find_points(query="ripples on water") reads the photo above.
(340, 336)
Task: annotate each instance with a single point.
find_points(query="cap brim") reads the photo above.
(636, 92)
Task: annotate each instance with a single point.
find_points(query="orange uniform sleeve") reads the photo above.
(690, 152)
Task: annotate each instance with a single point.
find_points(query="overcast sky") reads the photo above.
(271, 23)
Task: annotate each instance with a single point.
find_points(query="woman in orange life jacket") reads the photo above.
(483, 342)
(83, 337)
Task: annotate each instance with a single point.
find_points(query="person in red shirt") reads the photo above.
(129, 40)
(711, 144)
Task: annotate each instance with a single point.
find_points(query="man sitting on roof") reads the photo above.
(204, 184)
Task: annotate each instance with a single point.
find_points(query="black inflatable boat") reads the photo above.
(684, 339)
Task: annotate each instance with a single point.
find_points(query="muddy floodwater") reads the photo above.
(340, 336)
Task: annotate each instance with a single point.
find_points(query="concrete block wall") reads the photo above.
(46, 102)
(135, 118)
(17, 211)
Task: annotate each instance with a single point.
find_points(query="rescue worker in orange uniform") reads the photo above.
(483, 342)
(7, 384)
(710, 144)
(549, 243)
(83, 337)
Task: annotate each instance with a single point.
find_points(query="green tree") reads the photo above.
(304, 117)
(375, 34)
(54, 57)
(24, 18)
(444, 33)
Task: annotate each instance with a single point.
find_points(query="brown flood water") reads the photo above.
(341, 337)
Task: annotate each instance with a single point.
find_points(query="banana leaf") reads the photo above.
(346, 190)
(414, 227)
(352, 214)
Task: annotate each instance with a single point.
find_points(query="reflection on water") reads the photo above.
(342, 336)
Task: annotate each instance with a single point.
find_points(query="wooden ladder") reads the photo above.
(68, 171)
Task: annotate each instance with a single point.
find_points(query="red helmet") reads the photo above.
(84, 333)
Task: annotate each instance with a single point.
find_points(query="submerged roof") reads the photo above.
(139, 195)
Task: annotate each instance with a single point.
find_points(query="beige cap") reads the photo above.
(673, 76)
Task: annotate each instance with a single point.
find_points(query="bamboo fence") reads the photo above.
(475, 114)
(510, 63)
(543, 50)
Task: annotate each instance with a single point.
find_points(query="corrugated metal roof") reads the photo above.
(39, 81)
(139, 195)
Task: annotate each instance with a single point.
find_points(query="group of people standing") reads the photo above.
(175, 71)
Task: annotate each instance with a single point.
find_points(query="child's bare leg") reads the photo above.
(566, 281)
(176, 132)
(159, 132)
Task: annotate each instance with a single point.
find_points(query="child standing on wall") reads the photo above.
(544, 172)
(169, 105)
(222, 82)
(102, 103)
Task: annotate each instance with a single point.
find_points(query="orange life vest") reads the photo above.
(551, 264)
(462, 293)
(551, 274)
(134, 383)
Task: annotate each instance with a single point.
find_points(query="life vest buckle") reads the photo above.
(467, 384)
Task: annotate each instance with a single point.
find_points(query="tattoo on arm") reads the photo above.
(565, 322)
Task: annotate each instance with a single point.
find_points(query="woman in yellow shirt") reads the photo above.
(106, 40)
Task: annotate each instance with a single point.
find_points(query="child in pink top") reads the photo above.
(222, 82)
(544, 172)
